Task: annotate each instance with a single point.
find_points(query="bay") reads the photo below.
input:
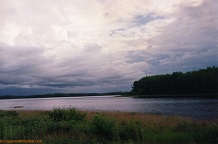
(196, 108)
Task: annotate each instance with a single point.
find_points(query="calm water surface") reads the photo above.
(188, 107)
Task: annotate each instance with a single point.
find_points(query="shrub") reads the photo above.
(67, 114)
(104, 127)
(129, 131)
(35, 126)
(206, 135)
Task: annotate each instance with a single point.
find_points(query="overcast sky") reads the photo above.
(49, 46)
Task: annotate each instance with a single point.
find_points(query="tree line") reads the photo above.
(203, 81)
(62, 95)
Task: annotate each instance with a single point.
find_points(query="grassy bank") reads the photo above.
(73, 126)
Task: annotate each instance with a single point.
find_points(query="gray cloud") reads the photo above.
(190, 42)
(74, 47)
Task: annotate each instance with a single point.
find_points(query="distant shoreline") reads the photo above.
(54, 96)
(178, 96)
(114, 94)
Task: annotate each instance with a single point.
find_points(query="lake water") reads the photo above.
(188, 107)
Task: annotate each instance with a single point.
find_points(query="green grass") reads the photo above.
(73, 126)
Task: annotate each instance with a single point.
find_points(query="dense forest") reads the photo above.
(203, 81)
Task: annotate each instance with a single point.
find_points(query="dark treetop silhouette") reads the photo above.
(203, 81)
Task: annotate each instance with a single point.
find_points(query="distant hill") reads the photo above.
(203, 81)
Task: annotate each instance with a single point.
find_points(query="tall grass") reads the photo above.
(73, 126)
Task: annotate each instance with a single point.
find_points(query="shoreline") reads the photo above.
(53, 96)
(177, 96)
(210, 95)
(114, 113)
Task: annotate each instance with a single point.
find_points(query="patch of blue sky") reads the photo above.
(140, 20)
(141, 56)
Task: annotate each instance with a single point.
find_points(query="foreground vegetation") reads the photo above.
(73, 126)
(197, 83)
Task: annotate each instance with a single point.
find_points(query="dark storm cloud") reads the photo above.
(31, 69)
(19, 59)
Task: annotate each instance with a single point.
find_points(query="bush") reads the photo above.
(67, 115)
(104, 127)
(35, 127)
(206, 135)
(130, 131)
